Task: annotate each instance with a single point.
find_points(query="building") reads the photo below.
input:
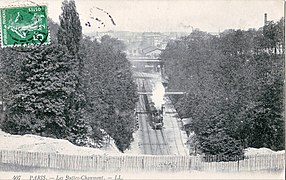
(152, 52)
(152, 38)
(134, 49)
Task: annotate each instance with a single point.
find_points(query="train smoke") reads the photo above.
(158, 95)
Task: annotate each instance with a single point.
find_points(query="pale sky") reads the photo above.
(170, 15)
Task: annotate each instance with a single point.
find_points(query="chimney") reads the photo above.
(265, 19)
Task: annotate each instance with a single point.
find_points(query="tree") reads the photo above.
(9, 71)
(234, 87)
(268, 121)
(215, 140)
(42, 98)
(70, 31)
(116, 44)
(70, 36)
(111, 90)
(71, 90)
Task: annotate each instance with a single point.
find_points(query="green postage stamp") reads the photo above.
(22, 26)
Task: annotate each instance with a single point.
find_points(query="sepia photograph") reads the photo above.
(142, 89)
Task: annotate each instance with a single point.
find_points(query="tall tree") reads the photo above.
(70, 36)
(70, 31)
(112, 92)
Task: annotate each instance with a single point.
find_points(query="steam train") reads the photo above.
(156, 116)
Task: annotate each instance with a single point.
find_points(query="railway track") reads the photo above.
(165, 142)
(156, 142)
(145, 130)
(152, 143)
(175, 138)
(147, 142)
(159, 144)
(160, 137)
(170, 111)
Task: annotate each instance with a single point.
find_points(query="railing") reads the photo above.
(166, 93)
(269, 162)
(115, 163)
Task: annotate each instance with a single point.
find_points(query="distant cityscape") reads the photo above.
(142, 44)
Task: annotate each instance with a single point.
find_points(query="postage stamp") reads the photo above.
(24, 26)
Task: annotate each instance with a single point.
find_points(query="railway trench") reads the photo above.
(160, 141)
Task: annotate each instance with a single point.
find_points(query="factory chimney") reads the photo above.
(265, 19)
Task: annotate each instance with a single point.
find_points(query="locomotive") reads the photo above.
(156, 117)
(155, 114)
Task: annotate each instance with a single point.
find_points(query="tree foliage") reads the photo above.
(70, 36)
(75, 89)
(43, 96)
(70, 31)
(111, 90)
(234, 85)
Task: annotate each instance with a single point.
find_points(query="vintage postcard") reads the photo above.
(142, 89)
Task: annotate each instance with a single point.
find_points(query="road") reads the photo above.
(167, 141)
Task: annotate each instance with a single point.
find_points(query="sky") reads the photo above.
(169, 15)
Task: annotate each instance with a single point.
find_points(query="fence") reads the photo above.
(137, 163)
(269, 162)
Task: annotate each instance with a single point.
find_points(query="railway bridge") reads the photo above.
(147, 64)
